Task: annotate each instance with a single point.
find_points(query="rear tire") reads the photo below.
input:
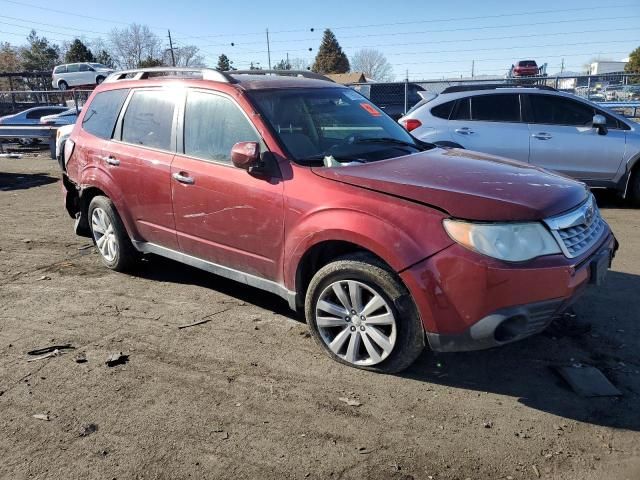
(633, 193)
(110, 236)
(99, 80)
(361, 315)
(62, 85)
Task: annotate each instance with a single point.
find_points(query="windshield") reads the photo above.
(323, 126)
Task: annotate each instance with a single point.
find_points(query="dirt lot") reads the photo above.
(249, 395)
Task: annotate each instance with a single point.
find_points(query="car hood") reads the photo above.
(467, 185)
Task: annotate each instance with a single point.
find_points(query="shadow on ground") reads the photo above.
(523, 369)
(23, 181)
(611, 199)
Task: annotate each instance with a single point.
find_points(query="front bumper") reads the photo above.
(471, 302)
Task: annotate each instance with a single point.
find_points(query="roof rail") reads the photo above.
(468, 88)
(282, 73)
(179, 72)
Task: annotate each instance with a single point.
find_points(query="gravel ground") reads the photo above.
(249, 395)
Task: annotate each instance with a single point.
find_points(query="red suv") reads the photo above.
(304, 188)
(525, 68)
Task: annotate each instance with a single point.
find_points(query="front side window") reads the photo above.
(212, 125)
(148, 120)
(103, 112)
(338, 124)
(555, 110)
(503, 107)
(60, 69)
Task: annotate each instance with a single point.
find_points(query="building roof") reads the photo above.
(345, 78)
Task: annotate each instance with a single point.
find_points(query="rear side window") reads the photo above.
(60, 69)
(84, 67)
(102, 113)
(212, 125)
(442, 111)
(74, 67)
(462, 110)
(496, 108)
(555, 110)
(148, 120)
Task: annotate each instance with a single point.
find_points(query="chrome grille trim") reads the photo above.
(577, 231)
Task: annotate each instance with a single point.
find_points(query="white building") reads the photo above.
(597, 68)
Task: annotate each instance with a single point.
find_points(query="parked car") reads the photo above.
(525, 68)
(68, 117)
(304, 188)
(390, 97)
(31, 116)
(79, 74)
(62, 134)
(539, 126)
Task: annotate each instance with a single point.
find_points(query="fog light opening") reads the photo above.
(511, 328)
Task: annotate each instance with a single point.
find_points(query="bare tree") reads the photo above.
(373, 64)
(134, 44)
(187, 56)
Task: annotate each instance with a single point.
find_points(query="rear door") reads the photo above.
(491, 123)
(563, 139)
(222, 213)
(73, 75)
(86, 75)
(139, 159)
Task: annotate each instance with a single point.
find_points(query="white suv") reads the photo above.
(536, 125)
(77, 74)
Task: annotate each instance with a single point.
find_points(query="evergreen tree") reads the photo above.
(105, 59)
(224, 64)
(282, 65)
(40, 54)
(634, 62)
(150, 62)
(78, 52)
(330, 57)
(254, 67)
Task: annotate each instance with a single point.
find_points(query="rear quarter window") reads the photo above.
(102, 113)
(443, 110)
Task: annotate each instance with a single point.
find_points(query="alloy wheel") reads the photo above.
(355, 322)
(104, 234)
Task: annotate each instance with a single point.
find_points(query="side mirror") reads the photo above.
(600, 122)
(245, 155)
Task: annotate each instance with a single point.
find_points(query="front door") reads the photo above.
(491, 123)
(222, 213)
(562, 139)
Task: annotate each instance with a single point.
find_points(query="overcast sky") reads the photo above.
(429, 39)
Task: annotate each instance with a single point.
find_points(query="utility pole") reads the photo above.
(288, 66)
(473, 68)
(562, 66)
(268, 51)
(173, 57)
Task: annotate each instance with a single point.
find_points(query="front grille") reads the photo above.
(578, 230)
(579, 239)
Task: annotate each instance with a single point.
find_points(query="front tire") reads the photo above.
(361, 315)
(99, 80)
(62, 85)
(110, 236)
(634, 188)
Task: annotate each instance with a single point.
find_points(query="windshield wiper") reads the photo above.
(321, 157)
(418, 145)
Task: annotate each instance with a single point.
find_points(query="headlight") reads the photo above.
(513, 242)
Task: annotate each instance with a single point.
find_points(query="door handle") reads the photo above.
(182, 178)
(542, 136)
(111, 160)
(464, 131)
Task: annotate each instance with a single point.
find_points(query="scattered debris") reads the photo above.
(45, 277)
(40, 351)
(348, 401)
(26, 240)
(80, 358)
(117, 359)
(41, 416)
(364, 451)
(87, 430)
(588, 381)
(225, 436)
(10, 155)
(536, 471)
(488, 424)
(55, 353)
(568, 325)
(85, 247)
(204, 320)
